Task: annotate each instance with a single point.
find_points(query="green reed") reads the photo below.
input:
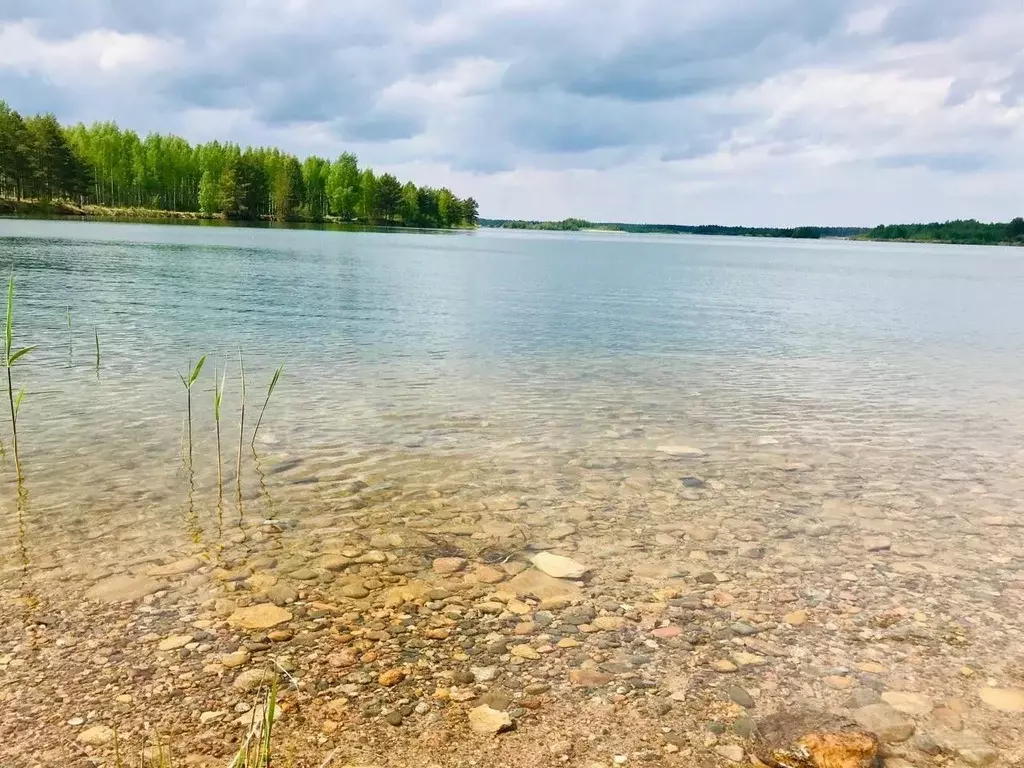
(71, 346)
(256, 751)
(96, 335)
(218, 398)
(187, 382)
(11, 356)
(270, 391)
(241, 431)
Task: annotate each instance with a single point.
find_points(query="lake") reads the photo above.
(508, 392)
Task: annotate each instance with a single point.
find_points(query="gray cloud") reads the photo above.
(828, 99)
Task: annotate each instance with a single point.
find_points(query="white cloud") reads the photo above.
(748, 111)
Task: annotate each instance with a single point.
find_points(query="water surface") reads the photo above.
(489, 366)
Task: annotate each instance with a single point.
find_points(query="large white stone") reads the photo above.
(558, 566)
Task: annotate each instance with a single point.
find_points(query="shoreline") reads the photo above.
(26, 209)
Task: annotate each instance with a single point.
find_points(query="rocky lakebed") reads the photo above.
(684, 610)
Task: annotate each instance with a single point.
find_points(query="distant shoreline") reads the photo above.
(958, 232)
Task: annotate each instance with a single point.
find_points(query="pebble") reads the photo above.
(745, 659)
(236, 659)
(355, 591)
(446, 566)
(589, 678)
(741, 697)
(908, 703)
(251, 679)
(796, 618)
(730, 752)
(525, 651)
(262, 616)
(485, 720)
(1003, 699)
(96, 736)
(488, 575)
(666, 633)
(483, 674)
(557, 566)
(891, 726)
(174, 642)
(724, 665)
(391, 677)
(609, 623)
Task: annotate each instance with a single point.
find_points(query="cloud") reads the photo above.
(748, 111)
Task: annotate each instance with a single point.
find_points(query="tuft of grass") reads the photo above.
(187, 382)
(257, 749)
(11, 356)
(270, 391)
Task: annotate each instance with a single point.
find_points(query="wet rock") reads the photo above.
(174, 642)
(796, 618)
(681, 451)
(373, 557)
(236, 659)
(282, 594)
(391, 677)
(557, 566)
(1003, 699)
(177, 568)
(608, 623)
(730, 752)
(252, 679)
(889, 725)
(589, 678)
(96, 736)
(488, 575)
(355, 591)
(545, 588)
(967, 745)
(741, 697)
(261, 616)
(578, 615)
(445, 566)
(525, 652)
(485, 720)
(908, 703)
(814, 740)
(123, 589)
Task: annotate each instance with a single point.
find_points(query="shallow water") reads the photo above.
(488, 365)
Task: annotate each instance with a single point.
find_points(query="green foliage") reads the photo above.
(11, 356)
(270, 391)
(963, 231)
(103, 165)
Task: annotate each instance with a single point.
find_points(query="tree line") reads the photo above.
(960, 231)
(101, 164)
(576, 225)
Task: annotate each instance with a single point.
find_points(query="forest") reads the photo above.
(104, 165)
(961, 231)
(576, 225)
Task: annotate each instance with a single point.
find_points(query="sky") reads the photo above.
(753, 112)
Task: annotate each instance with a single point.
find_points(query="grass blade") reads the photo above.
(10, 318)
(270, 391)
(195, 371)
(24, 351)
(97, 336)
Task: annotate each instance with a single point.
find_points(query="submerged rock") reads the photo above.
(558, 566)
(814, 740)
(123, 589)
